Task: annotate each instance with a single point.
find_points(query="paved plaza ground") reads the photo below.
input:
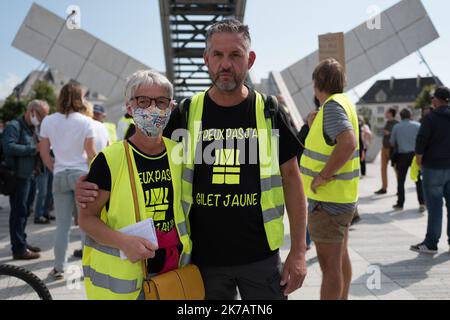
(383, 266)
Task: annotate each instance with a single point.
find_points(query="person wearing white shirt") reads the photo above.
(70, 134)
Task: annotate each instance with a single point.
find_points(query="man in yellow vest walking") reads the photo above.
(330, 172)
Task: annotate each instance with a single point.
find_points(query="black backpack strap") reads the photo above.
(183, 106)
(271, 109)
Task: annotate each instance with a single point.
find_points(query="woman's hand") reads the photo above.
(137, 249)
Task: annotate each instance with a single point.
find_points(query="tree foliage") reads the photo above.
(12, 108)
(424, 98)
(15, 107)
(42, 90)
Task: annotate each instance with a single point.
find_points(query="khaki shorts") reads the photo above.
(327, 228)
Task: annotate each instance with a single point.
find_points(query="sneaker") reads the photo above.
(381, 191)
(27, 255)
(422, 208)
(50, 217)
(78, 253)
(56, 275)
(422, 248)
(41, 220)
(397, 207)
(33, 249)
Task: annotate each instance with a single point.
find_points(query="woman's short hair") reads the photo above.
(329, 76)
(146, 77)
(70, 99)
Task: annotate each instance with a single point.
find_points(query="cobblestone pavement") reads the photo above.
(383, 266)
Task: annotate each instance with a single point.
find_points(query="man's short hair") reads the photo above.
(329, 76)
(392, 111)
(37, 105)
(442, 93)
(405, 114)
(229, 26)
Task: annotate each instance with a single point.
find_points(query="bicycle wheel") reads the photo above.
(16, 283)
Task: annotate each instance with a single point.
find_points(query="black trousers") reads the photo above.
(402, 163)
(256, 281)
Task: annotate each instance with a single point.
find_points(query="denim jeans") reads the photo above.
(436, 185)
(19, 215)
(65, 203)
(41, 209)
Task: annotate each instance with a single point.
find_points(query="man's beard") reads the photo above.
(227, 86)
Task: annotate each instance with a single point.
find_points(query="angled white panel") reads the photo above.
(108, 58)
(44, 21)
(353, 47)
(419, 34)
(308, 93)
(280, 84)
(303, 105)
(387, 53)
(302, 70)
(73, 49)
(31, 42)
(78, 41)
(370, 38)
(118, 91)
(97, 79)
(289, 81)
(132, 66)
(65, 61)
(405, 13)
(359, 70)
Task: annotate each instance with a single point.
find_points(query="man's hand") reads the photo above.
(294, 272)
(85, 192)
(319, 181)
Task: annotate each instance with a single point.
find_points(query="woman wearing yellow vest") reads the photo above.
(157, 173)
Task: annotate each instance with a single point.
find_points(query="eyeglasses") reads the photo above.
(161, 103)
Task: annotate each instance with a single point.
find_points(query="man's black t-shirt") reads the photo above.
(156, 180)
(226, 220)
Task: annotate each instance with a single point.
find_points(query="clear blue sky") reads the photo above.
(283, 31)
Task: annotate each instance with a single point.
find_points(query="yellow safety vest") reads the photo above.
(123, 126)
(107, 277)
(272, 196)
(415, 170)
(344, 188)
(112, 133)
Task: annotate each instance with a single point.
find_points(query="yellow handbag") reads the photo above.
(182, 284)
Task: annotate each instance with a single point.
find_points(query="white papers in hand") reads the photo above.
(144, 229)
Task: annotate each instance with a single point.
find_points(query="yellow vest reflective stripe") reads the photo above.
(344, 188)
(272, 196)
(112, 134)
(415, 170)
(106, 275)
